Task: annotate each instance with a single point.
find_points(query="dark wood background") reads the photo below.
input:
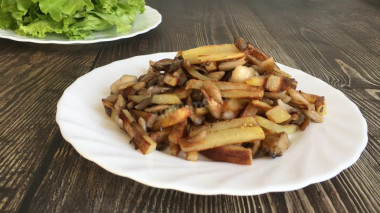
(337, 41)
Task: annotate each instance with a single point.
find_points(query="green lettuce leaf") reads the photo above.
(77, 19)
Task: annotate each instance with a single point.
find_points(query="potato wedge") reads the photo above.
(262, 105)
(276, 84)
(212, 53)
(267, 64)
(234, 104)
(170, 80)
(173, 118)
(108, 106)
(258, 81)
(298, 99)
(221, 125)
(150, 118)
(192, 156)
(222, 85)
(141, 138)
(230, 65)
(165, 99)
(129, 79)
(277, 114)
(161, 136)
(182, 93)
(214, 107)
(249, 111)
(138, 98)
(224, 137)
(275, 144)
(242, 94)
(230, 154)
(177, 132)
(275, 128)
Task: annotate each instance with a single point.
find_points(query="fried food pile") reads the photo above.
(228, 102)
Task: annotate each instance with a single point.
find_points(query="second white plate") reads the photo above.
(315, 155)
(144, 22)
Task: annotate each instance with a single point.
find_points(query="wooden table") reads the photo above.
(337, 41)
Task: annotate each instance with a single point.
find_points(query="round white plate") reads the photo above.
(315, 155)
(150, 19)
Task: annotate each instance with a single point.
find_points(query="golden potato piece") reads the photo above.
(275, 144)
(238, 93)
(267, 64)
(224, 137)
(173, 118)
(230, 154)
(221, 125)
(165, 99)
(276, 84)
(275, 128)
(138, 98)
(258, 81)
(141, 138)
(192, 156)
(212, 53)
(277, 114)
(262, 105)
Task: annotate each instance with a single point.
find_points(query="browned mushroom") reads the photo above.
(275, 144)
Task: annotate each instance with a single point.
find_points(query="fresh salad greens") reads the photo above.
(76, 19)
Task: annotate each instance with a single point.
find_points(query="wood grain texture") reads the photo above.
(337, 41)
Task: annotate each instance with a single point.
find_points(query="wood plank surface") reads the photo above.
(337, 41)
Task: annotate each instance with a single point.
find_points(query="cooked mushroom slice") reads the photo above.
(163, 64)
(298, 99)
(158, 89)
(196, 95)
(253, 60)
(230, 65)
(314, 115)
(216, 76)
(167, 65)
(157, 108)
(213, 91)
(147, 77)
(255, 147)
(287, 107)
(153, 81)
(240, 43)
(256, 52)
(146, 102)
(275, 144)
(210, 66)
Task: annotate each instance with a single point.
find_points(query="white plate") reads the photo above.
(150, 19)
(315, 155)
